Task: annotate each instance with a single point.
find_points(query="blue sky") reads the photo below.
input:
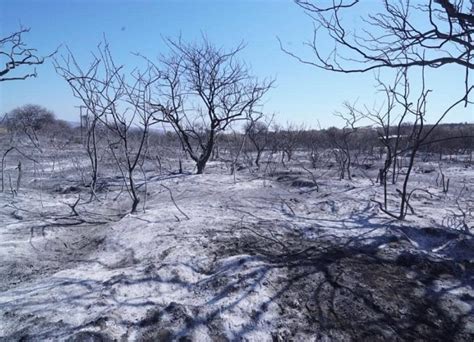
(302, 94)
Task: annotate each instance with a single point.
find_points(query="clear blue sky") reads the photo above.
(303, 94)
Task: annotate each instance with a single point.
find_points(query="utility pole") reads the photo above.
(82, 122)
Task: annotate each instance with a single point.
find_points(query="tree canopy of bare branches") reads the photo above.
(16, 55)
(394, 34)
(403, 34)
(204, 89)
(257, 130)
(117, 101)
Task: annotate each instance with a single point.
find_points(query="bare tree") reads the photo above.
(205, 89)
(257, 133)
(130, 125)
(390, 123)
(89, 86)
(123, 108)
(342, 140)
(290, 138)
(410, 109)
(15, 55)
(397, 35)
(312, 143)
(238, 141)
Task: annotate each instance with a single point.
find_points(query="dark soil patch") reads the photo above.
(336, 290)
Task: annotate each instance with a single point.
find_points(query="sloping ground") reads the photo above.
(252, 259)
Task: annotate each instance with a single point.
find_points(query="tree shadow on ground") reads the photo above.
(361, 287)
(356, 288)
(345, 288)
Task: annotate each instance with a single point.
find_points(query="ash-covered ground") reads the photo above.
(255, 256)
